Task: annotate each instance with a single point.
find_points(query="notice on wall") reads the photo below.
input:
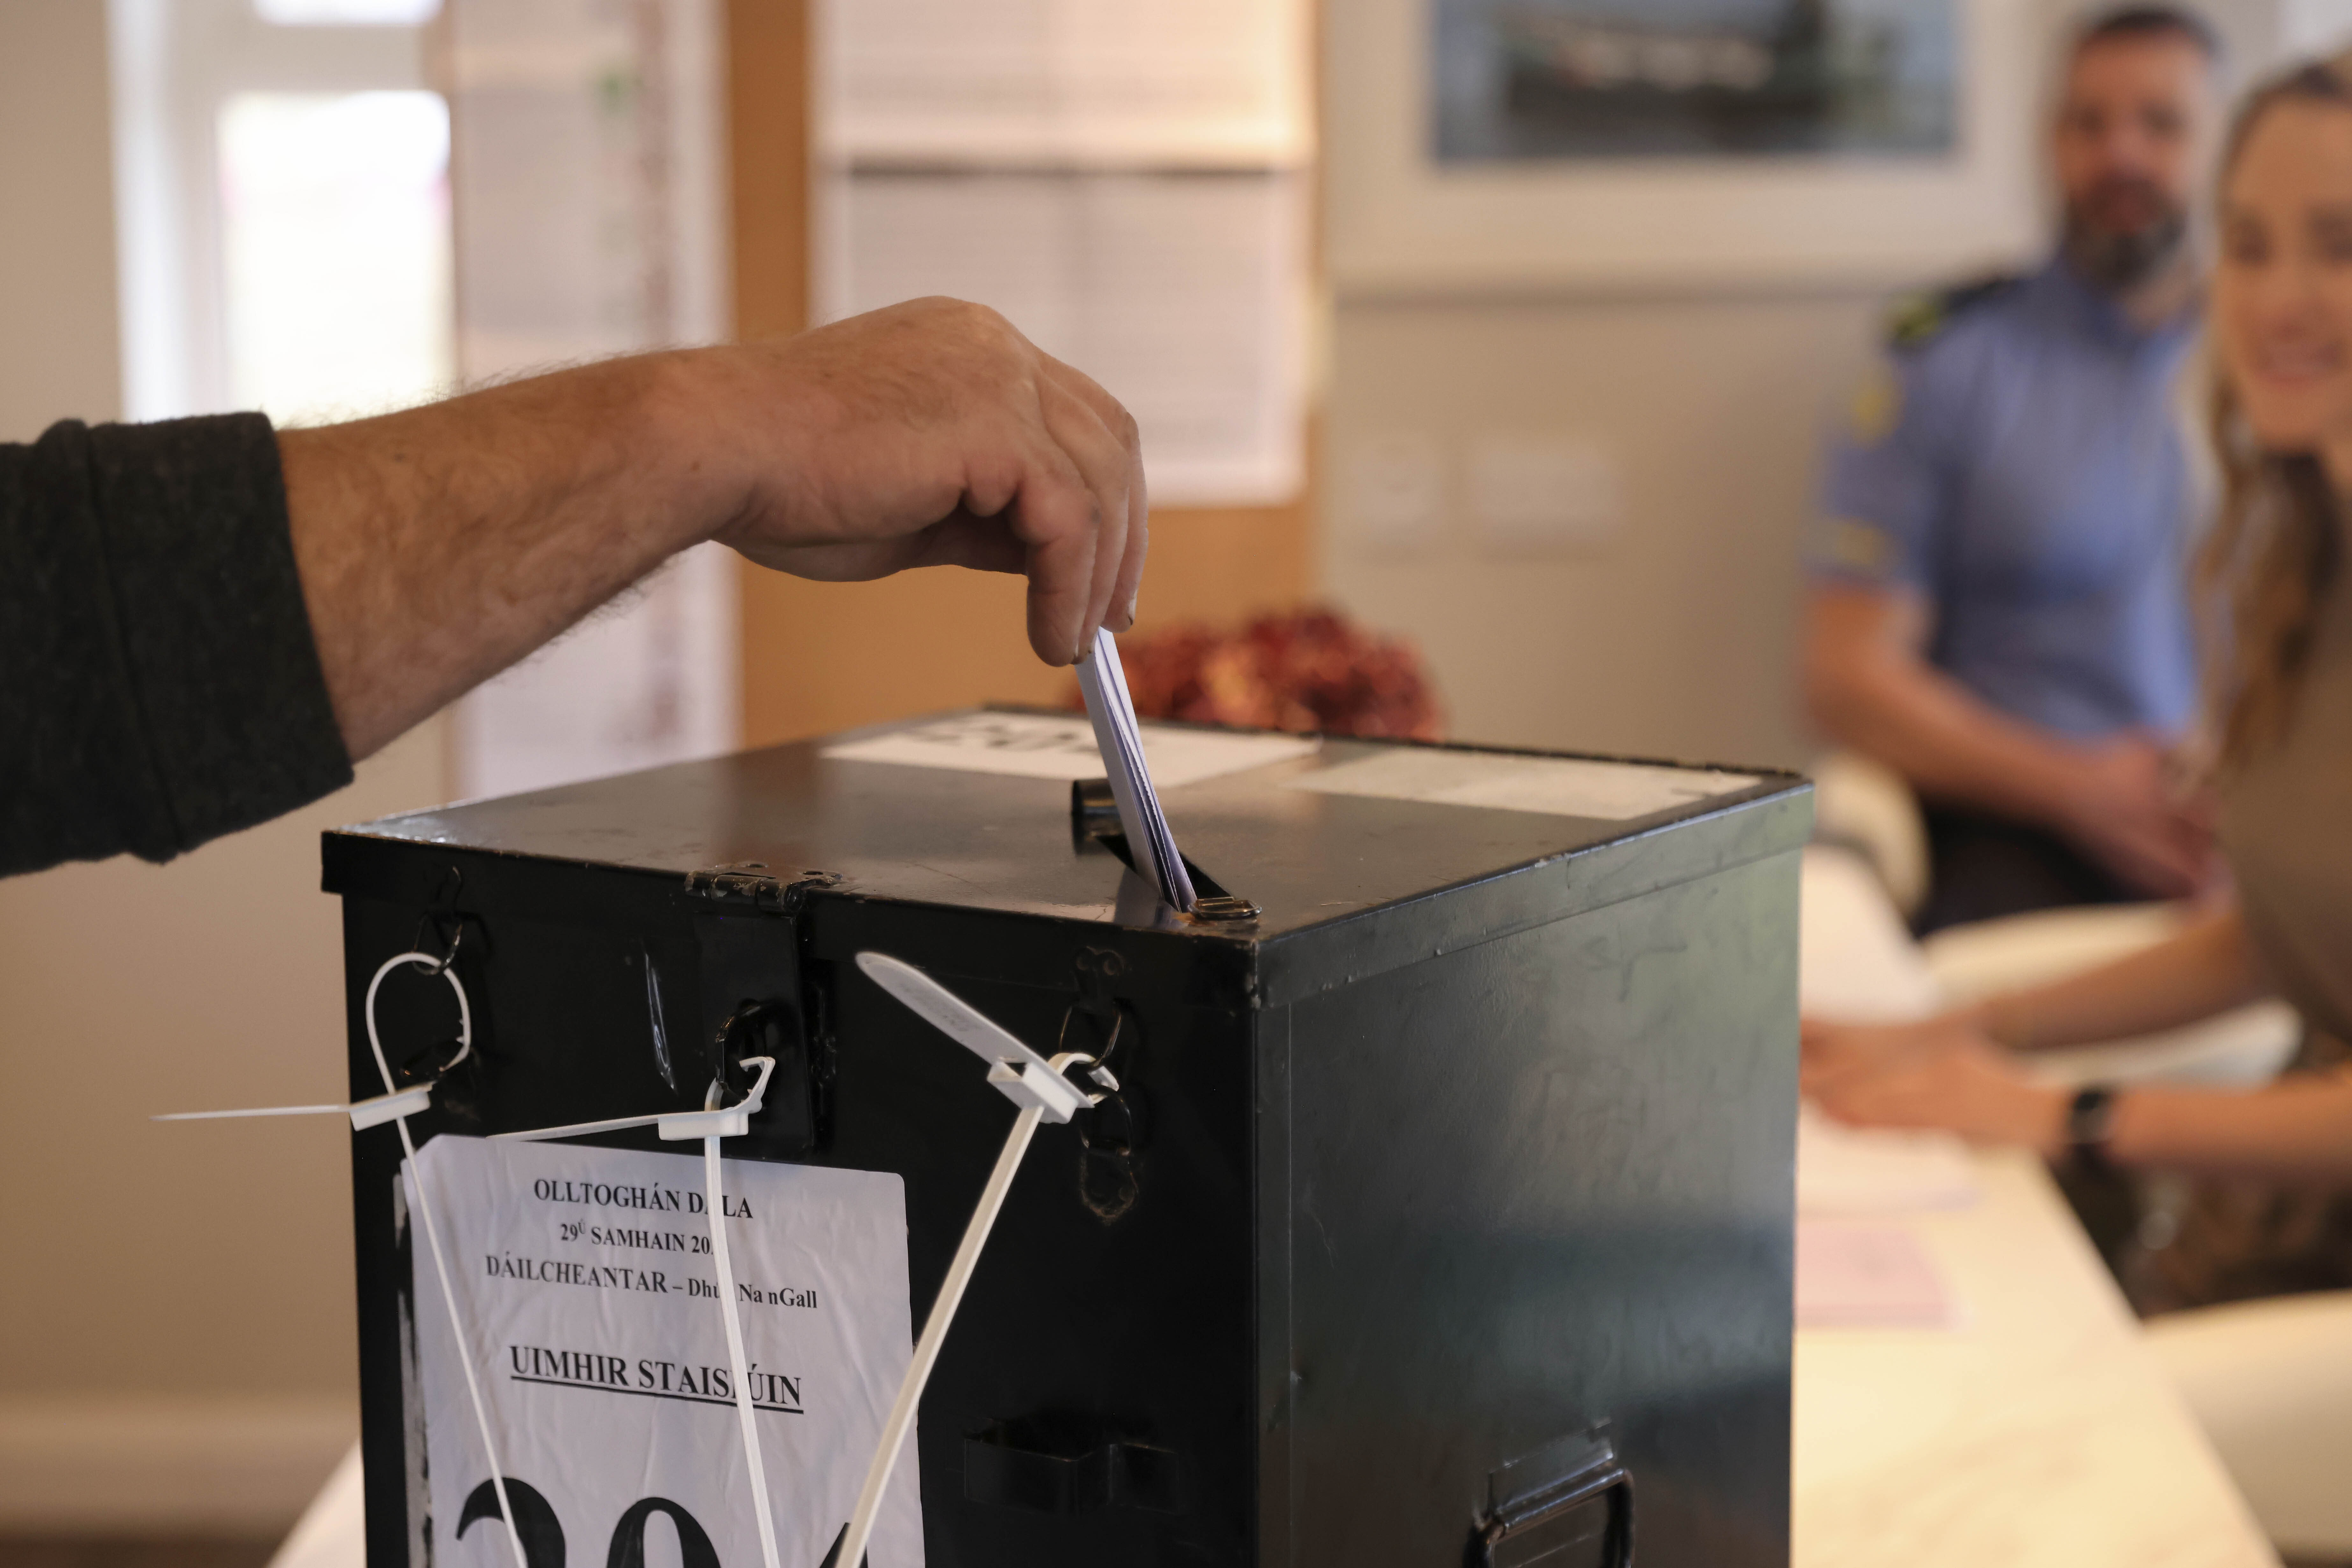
(588, 182)
(590, 1307)
(1182, 293)
(1558, 786)
(1164, 83)
(1059, 746)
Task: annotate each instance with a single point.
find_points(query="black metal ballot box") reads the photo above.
(1444, 1213)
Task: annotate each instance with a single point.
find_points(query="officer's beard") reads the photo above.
(2118, 257)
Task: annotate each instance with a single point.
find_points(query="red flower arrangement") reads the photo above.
(1307, 671)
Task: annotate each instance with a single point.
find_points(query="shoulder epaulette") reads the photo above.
(1920, 318)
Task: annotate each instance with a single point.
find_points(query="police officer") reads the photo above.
(2000, 605)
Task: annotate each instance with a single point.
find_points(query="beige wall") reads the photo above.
(1673, 638)
(58, 354)
(175, 1337)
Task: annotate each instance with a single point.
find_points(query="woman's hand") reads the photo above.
(1962, 1083)
(1834, 1052)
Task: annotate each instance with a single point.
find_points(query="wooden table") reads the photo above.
(2042, 1431)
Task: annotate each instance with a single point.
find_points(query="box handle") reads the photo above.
(1548, 1485)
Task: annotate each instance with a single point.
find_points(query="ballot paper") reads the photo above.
(1150, 846)
(1845, 1170)
(1063, 746)
(1868, 1276)
(1501, 781)
(590, 1303)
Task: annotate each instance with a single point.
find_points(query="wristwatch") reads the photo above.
(2090, 1119)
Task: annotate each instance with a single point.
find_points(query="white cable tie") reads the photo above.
(935, 1327)
(1019, 1073)
(364, 1113)
(725, 1121)
(1026, 1087)
(711, 1123)
(433, 1232)
(736, 1362)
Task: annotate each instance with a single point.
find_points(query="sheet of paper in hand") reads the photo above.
(1119, 734)
(591, 1304)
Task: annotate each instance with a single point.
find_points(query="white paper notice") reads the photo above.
(1164, 82)
(1050, 746)
(1183, 295)
(591, 1306)
(1560, 787)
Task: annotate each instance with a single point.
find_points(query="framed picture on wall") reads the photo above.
(1478, 144)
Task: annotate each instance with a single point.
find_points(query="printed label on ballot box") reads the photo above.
(590, 1301)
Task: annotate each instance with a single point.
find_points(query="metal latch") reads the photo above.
(1534, 1503)
(757, 999)
(748, 882)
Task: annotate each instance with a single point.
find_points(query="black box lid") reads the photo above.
(1332, 873)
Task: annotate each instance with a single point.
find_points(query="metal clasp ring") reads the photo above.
(434, 967)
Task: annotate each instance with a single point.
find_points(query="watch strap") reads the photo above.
(2090, 1121)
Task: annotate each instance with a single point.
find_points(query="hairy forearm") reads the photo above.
(1933, 731)
(440, 545)
(2297, 1132)
(2207, 969)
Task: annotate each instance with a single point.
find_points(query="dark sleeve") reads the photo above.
(159, 685)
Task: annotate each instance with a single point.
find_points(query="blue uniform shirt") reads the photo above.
(2020, 464)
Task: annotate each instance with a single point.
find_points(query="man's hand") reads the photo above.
(2122, 805)
(1871, 687)
(929, 434)
(440, 545)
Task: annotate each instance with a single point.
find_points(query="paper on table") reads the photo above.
(1560, 787)
(1868, 1276)
(1112, 713)
(1062, 746)
(1852, 1170)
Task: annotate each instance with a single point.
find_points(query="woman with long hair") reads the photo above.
(2278, 611)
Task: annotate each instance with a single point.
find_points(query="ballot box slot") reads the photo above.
(1095, 828)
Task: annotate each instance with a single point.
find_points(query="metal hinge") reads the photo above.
(747, 883)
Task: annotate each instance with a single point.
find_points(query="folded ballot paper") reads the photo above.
(1120, 737)
(1854, 1276)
